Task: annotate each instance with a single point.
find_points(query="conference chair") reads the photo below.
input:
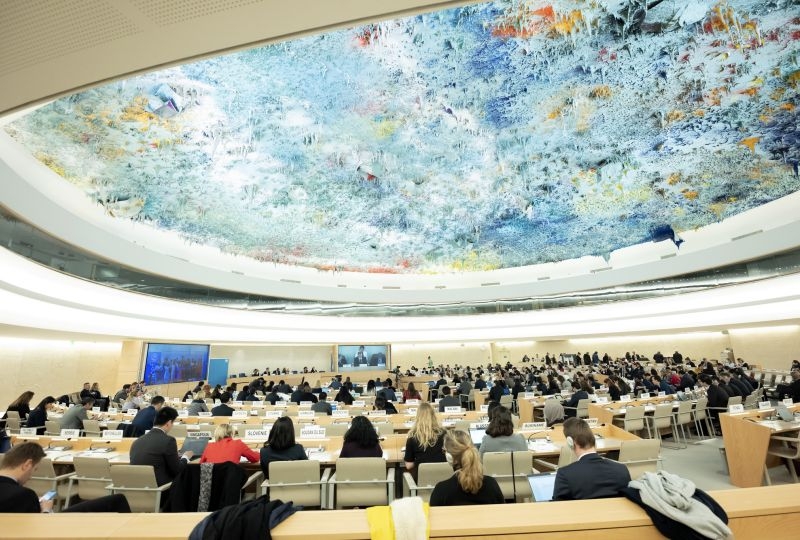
(640, 456)
(138, 484)
(468, 400)
(751, 401)
(521, 462)
(360, 482)
(384, 428)
(13, 425)
(179, 431)
(428, 475)
(91, 428)
(565, 457)
(297, 481)
(582, 410)
(701, 418)
(633, 421)
(788, 450)
(44, 479)
(498, 466)
(52, 428)
(680, 419)
(462, 425)
(734, 400)
(92, 475)
(336, 430)
(507, 401)
(661, 419)
(13, 415)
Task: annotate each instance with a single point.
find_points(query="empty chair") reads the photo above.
(680, 419)
(507, 401)
(661, 419)
(734, 400)
(468, 400)
(92, 476)
(91, 428)
(44, 479)
(360, 482)
(14, 415)
(13, 425)
(498, 466)
(336, 430)
(640, 456)
(751, 401)
(384, 428)
(297, 481)
(428, 475)
(633, 421)
(701, 417)
(565, 457)
(138, 484)
(788, 450)
(462, 425)
(52, 428)
(522, 462)
(178, 431)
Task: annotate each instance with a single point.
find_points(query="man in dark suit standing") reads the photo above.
(145, 418)
(591, 476)
(223, 409)
(159, 449)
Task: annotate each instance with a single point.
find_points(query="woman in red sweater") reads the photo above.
(225, 448)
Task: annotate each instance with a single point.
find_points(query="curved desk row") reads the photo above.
(772, 512)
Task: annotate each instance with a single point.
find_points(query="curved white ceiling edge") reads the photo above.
(191, 32)
(44, 199)
(34, 296)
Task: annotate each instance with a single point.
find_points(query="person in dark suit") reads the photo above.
(159, 449)
(571, 405)
(18, 466)
(591, 476)
(223, 409)
(145, 418)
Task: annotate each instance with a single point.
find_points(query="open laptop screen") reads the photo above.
(196, 444)
(542, 486)
(477, 436)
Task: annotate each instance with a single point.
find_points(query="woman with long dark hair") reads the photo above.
(22, 405)
(38, 416)
(361, 440)
(281, 445)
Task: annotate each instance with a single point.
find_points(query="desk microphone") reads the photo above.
(531, 437)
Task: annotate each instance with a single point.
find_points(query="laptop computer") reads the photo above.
(542, 486)
(477, 436)
(196, 445)
(784, 413)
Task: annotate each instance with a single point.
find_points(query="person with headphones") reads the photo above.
(590, 476)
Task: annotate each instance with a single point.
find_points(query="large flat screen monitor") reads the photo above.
(362, 357)
(166, 363)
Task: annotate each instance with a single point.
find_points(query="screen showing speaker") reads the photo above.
(362, 357)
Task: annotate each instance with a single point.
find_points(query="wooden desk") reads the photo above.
(751, 512)
(746, 443)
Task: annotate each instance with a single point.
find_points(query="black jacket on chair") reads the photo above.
(227, 480)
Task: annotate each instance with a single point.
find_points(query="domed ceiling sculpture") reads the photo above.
(490, 136)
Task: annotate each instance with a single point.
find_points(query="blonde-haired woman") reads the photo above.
(226, 448)
(425, 442)
(468, 485)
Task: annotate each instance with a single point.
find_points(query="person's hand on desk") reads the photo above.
(46, 506)
(188, 455)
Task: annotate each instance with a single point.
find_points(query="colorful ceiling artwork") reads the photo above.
(490, 136)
